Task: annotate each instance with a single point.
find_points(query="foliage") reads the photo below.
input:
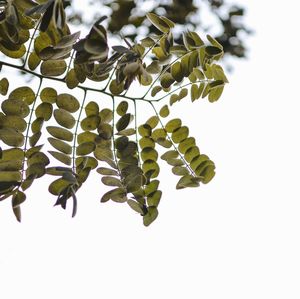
(85, 135)
(128, 17)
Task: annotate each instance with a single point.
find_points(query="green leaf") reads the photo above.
(122, 108)
(58, 186)
(14, 122)
(67, 102)
(71, 79)
(85, 148)
(33, 61)
(212, 50)
(151, 215)
(180, 134)
(123, 122)
(153, 199)
(154, 67)
(90, 123)
(191, 153)
(117, 195)
(144, 130)
(48, 95)
(111, 181)
(60, 133)
(11, 137)
(4, 84)
(172, 154)
(34, 138)
(60, 145)
(107, 171)
(152, 121)
(53, 68)
(158, 22)
(149, 153)
(91, 109)
(44, 111)
(180, 170)
(172, 125)
(187, 181)
(166, 80)
(135, 206)
(61, 157)
(146, 142)
(164, 111)
(155, 90)
(13, 54)
(64, 118)
(37, 125)
(115, 88)
(10, 176)
(15, 107)
(106, 115)
(177, 72)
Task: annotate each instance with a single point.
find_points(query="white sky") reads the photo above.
(237, 237)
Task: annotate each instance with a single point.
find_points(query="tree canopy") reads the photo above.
(80, 115)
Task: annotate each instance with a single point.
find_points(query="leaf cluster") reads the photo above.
(45, 132)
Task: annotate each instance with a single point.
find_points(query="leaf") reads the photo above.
(153, 199)
(149, 153)
(34, 138)
(60, 133)
(60, 145)
(158, 22)
(191, 153)
(180, 134)
(146, 142)
(122, 108)
(37, 125)
(151, 215)
(10, 176)
(85, 148)
(152, 121)
(212, 51)
(106, 115)
(4, 84)
(154, 67)
(11, 137)
(15, 107)
(123, 122)
(67, 102)
(155, 90)
(115, 88)
(48, 95)
(91, 109)
(90, 123)
(44, 111)
(61, 157)
(71, 79)
(187, 181)
(177, 72)
(172, 154)
(12, 154)
(33, 61)
(180, 170)
(164, 111)
(126, 132)
(135, 206)
(117, 195)
(14, 122)
(53, 68)
(172, 125)
(194, 92)
(186, 144)
(111, 181)
(166, 80)
(13, 54)
(107, 171)
(64, 118)
(58, 186)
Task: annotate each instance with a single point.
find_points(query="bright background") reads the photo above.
(237, 237)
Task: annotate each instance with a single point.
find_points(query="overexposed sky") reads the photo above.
(237, 237)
